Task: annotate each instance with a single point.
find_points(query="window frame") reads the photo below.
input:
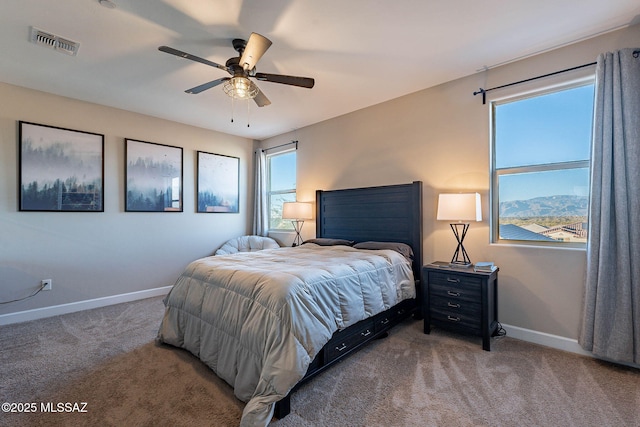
(496, 173)
(270, 193)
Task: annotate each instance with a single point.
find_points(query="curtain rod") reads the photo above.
(484, 91)
(282, 145)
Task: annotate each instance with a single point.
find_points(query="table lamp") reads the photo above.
(297, 212)
(461, 208)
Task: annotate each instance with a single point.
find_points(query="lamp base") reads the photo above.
(460, 264)
(460, 230)
(297, 225)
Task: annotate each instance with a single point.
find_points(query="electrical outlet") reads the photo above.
(46, 284)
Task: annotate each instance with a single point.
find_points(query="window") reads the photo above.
(281, 187)
(540, 166)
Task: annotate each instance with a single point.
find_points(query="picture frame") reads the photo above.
(153, 177)
(218, 184)
(60, 170)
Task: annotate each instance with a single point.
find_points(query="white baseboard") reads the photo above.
(55, 310)
(548, 340)
(555, 341)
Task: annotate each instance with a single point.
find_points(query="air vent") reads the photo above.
(54, 42)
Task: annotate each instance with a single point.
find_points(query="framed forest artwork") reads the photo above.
(153, 177)
(218, 183)
(60, 170)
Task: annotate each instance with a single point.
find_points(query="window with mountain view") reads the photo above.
(540, 174)
(281, 187)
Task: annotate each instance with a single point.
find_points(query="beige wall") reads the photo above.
(94, 255)
(441, 137)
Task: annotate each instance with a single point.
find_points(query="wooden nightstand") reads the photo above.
(461, 300)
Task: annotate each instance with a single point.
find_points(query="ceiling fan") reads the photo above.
(241, 68)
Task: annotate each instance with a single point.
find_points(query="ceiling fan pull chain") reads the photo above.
(248, 109)
(232, 109)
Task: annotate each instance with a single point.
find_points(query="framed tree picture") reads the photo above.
(61, 170)
(218, 183)
(153, 177)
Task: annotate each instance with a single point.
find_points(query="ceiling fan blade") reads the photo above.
(185, 55)
(256, 47)
(261, 99)
(205, 86)
(307, 82)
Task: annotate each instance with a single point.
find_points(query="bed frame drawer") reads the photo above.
(341, 345)
(385, 320)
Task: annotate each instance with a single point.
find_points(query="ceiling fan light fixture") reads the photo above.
(240, 88)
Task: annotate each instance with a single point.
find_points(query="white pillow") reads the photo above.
(247, 244)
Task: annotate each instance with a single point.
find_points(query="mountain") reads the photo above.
(545, 206)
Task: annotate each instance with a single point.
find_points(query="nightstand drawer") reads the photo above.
(462, 291)
(453, 279)
(456, 307)
(456, 313)
(461, 322)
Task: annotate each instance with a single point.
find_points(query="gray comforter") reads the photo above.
(258, 319)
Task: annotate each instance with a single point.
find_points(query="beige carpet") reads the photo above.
(107, 358)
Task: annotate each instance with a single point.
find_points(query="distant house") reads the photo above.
(514, 232)
(576, 232)
(536, 228)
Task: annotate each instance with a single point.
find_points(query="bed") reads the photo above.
(268, 321)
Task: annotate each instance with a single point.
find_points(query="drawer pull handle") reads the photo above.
(453, 305)
(384, 321)
(453, 319)
(344, 346)
(450, 280)
(453, 294)
(365, 333)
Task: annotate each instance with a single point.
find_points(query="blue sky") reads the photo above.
(544, 129)
(283, 176)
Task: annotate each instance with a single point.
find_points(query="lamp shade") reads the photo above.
(459, 207)
(297, 210)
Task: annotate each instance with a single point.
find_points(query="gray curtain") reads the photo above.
(611, 313)
(260, 214)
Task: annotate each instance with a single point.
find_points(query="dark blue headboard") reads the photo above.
(391, 213)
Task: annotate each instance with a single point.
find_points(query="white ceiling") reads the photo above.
(360, 52)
